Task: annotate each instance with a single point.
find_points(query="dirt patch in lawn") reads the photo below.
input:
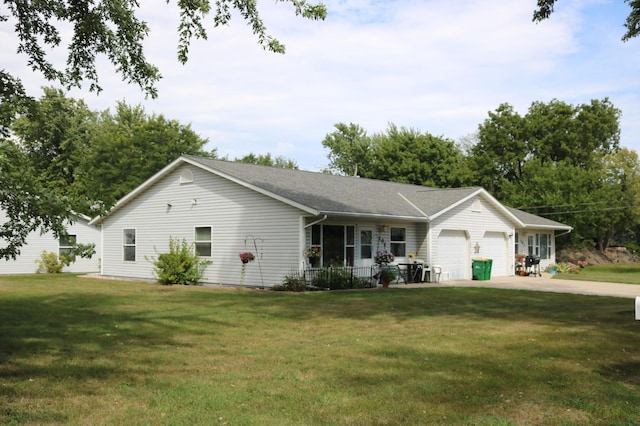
(597, 257)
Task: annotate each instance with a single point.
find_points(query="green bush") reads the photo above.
(291, 283)
(51, 263)
(181, 265)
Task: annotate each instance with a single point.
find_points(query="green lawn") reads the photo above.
(88, 351)
(615, 272)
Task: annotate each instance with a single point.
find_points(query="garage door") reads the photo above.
(453, 254)
(494, 246)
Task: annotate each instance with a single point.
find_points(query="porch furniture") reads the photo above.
(415, 271)
(437, 271)
(400, 275)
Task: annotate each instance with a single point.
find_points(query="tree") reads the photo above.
(555, 132)
(268, 160)
(560, 161)
(127, 148)
(54, 135)
(632, 23)
(96, 158)
(399, 155)
(502, 149)
(25, 205)
(349, 149)
(409, 156)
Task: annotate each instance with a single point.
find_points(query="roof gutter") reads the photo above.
(564, 233)
(317, 221)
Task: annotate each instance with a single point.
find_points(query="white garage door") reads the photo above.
(494, 246)
(453, 254)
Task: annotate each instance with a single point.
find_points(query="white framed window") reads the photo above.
(398, 242)
(66, 246)
(129, 245)
(539, 245)
(203, 241)
(543, 241)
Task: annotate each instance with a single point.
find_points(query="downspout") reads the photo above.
(564, 233)
(316, 222)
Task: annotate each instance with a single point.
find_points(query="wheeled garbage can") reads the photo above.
(481, 269)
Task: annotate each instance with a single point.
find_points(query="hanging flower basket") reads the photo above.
(384, 257)
(247, 257)
(313, 252)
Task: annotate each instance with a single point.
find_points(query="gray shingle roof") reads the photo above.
(342, 194)
(533, 220)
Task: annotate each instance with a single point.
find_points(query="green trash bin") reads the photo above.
(481, 269)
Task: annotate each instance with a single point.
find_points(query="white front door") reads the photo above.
(365, 246)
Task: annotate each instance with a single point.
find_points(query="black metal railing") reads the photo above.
(339, 277)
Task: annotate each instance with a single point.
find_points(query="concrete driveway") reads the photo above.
(544, 283)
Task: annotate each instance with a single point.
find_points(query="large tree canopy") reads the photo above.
(550, 132)
(399, 154)
(563, 162)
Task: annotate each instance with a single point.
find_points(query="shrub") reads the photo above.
(291, 283)
(564, 268)
(51, 263)
(181, 265)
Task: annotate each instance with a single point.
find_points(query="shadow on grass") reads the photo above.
(110, 333)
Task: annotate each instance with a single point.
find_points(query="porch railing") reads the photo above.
(339, 277)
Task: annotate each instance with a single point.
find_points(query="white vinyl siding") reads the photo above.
(36, 243)
(241, 219)
(474, 217)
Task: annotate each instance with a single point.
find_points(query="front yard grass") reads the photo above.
(625, 273)
(88, 351)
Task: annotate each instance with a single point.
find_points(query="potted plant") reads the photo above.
(386, 276)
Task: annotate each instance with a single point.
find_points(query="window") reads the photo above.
(203, 241)
(539, 245)
(350, 245)
(66, 246)
(544, 245)
(399, 242)
(129, 245)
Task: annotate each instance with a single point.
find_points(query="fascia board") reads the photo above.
(374, 216)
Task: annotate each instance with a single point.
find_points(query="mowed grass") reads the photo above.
(105, 352)
(625, 273)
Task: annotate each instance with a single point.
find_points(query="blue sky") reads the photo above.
(438, 66)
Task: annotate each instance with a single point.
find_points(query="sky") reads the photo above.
(437, 66)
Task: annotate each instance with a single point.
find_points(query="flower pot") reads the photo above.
(385, 285)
